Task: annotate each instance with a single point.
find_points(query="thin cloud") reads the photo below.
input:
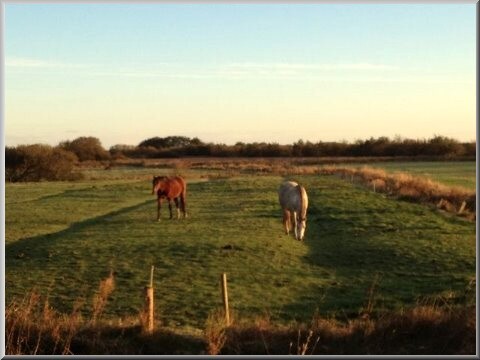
(300, 66)
(29, 63)
(234, 71)
(175, 70)
(297, 71)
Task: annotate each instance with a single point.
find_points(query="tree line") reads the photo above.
(44, 162)
(178, 146)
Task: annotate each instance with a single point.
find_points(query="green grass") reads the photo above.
(451, 173)
(42, 208)
(63, 238)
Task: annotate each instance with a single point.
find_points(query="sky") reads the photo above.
(238, 72)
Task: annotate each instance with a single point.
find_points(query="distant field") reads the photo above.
(65, 237)
(452, 173)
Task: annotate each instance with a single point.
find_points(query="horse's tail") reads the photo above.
(183, 195)
(184, 186)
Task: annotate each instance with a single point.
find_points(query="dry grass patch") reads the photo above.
(453, 199)
(34, 328)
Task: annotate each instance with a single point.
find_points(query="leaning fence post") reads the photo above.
(225, 298)
(462, 207)
(148, 310)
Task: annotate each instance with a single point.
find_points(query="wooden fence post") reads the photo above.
(225, 298)
(148, 311)
(462, 207)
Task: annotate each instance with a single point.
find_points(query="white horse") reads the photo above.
(294, 201)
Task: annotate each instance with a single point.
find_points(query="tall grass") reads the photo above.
(420, 330)
(34, 328)
(433, 327)
(215, 332)
(100, 299)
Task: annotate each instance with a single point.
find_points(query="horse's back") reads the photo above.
(286, 186)
(172, 186)
(178, 184)
(288, 194)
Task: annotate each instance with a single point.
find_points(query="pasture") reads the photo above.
(63, 238)
(451, 173)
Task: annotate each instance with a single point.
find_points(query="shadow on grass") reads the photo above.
(131, 341)
(37, 246)
(45, 261)
(376, 265)
(415, 331)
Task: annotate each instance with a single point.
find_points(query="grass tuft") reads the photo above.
(215, 332)
(100, 299)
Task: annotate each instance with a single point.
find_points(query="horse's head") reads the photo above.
(156, 183)
(300, 229)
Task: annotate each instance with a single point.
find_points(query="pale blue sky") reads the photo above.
(227, 73)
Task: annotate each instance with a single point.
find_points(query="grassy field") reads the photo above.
(63, 238)
(452, 173)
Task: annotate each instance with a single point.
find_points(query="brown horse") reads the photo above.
(171, 188)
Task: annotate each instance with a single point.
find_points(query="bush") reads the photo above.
(169, 142)
(441, 145)
(86, 148)
(39, 162)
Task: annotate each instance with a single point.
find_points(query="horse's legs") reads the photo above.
(286, 220)
(176, 206)
(294, 224)
(170, 207)
(159, 205)
(182, 203)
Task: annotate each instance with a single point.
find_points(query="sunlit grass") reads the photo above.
(353, 236)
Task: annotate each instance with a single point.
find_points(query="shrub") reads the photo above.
(169, 142)
(39, 162)
(86, 148)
